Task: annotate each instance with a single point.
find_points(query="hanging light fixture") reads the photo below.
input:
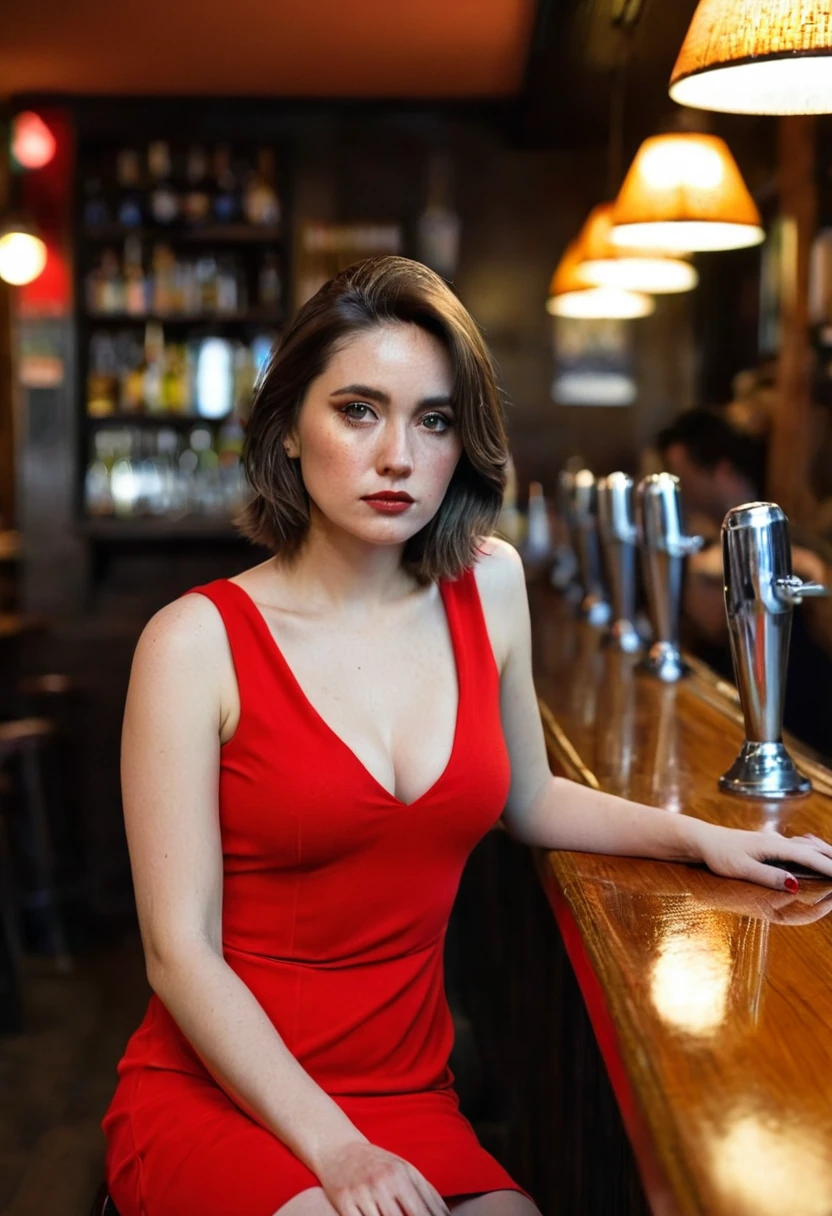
(605, 264)
(22, 252)
(33, 144)
(757, 57)
(683, 193)
(570, 296)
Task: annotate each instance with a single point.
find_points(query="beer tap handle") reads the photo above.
(792, 590)
(684, 546)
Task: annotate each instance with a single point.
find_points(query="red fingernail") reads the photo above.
(792, 885)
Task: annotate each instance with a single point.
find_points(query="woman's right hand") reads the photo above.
(361, 1179)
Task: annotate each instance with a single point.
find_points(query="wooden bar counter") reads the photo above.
(710, 999)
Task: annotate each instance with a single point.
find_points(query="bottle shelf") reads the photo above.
(160, 419)
(142, 528)
(251, 316)
(244, 234)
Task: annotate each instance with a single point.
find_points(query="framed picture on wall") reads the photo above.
(594, 362)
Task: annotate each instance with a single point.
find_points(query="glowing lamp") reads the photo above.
(605, 264)
(33, 144)
(757, 57)
(569, 295)
(683, 193)
(22, 253)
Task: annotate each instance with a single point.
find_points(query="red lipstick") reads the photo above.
(390, 502)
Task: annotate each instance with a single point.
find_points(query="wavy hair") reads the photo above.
(379, 291)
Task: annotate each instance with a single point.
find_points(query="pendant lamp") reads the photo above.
(684, 193)
(607, 265)
(757, 57)
(569, 295)
(22, 252)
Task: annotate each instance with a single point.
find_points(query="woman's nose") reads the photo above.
(394, 454)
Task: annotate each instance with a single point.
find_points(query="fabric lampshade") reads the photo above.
(757, 57)
(683, 193)
(605, 264)
(570, 296)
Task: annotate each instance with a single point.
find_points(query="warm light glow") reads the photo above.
(690, 979)
(757, 57)
(22, 257)
(687, 236)
(33, 144)
(600, 303)
(607, 265)
(764, 1159)
(570, 296)
(684, 193)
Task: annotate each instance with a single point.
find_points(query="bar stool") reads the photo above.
(11, 1009)
(24, 741)
(57, 698)
(103, 1205)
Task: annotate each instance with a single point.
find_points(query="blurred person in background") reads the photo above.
(720, 466)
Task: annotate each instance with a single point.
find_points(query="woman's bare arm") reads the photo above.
(556, 813)
(170, 766)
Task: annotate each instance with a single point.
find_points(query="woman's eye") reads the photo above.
(437, 422)
(349, 411)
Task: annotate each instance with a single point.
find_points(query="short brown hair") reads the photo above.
(379, 291)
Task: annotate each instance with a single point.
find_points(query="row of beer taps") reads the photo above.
(611, 520)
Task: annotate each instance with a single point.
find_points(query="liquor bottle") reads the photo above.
(227, 197)
(135, 284)
(163, 285)
(215, 378)
(197, 202)
(164, 203)
(131, 376)
(439, 225)
(111, 286)
(206, 277)
(102, 377)
(228, 299)
(261, 204)
(175, 389)
(96, 212)
(268, 281)
(128, 176)
(97, 495)
(154, 353)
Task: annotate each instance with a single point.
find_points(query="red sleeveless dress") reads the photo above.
(336, 900)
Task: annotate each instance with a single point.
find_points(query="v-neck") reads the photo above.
(271, 640)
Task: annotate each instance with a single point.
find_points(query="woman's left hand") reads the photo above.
(734, 853)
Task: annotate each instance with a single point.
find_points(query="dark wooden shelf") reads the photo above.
(155, 420)
(251, 316)
(244, 234)
(189, 527)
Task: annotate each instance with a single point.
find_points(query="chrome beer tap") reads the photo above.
(617, 528)
(664, 547)
(595, 606)
(760, 595)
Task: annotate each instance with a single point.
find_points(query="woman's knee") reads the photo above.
(496, 1203)
(312, 1202)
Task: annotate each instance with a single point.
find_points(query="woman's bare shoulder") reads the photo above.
(501, 583)
(187, 635)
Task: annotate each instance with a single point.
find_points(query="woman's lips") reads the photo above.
(389, 506)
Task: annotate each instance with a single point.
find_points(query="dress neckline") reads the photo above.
(273, 647)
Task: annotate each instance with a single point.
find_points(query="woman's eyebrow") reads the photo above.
(377, 394)
(362, 390)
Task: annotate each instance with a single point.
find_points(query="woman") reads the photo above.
(311, 751)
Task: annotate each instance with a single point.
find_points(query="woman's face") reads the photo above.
(379, 419)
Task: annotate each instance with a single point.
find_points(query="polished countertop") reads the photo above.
(711, 999)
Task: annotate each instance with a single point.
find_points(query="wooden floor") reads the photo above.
(57, 1078)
